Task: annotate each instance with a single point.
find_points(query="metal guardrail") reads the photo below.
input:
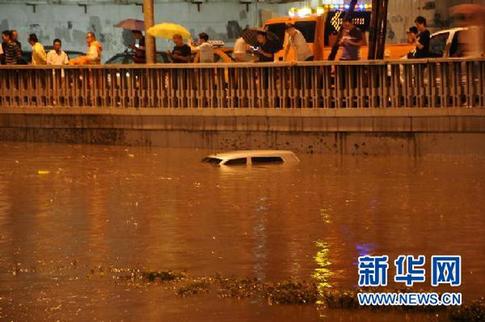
(362, 84)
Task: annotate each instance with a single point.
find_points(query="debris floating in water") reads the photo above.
(43, 172)
(472, 312)
(286, 292)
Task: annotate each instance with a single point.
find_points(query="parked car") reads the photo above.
(221, 55)
(27, 55)
(126, 57)
(252, 157)
(445, 43)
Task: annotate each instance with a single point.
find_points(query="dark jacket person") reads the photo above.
(422, 39)
(266, 49)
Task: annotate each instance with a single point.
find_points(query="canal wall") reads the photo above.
(405, 131)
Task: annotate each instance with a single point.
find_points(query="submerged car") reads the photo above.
(252, 157)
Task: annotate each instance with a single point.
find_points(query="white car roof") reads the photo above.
(448, 30)
(251, 153)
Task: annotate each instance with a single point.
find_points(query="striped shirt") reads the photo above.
(11, 51)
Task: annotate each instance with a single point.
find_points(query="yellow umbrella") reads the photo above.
(168, 30)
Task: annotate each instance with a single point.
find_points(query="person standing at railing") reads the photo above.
(181, 53)
(57, 56)
(204, 50)
(39, 56)
(15, 37)
(412, 35)
(10, 49)
(422, 39)
(351, 41)
(20, 59)
(139, 56)
(2, 53)
(297, 42)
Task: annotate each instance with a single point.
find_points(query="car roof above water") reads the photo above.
(252, 153)
(285, 155)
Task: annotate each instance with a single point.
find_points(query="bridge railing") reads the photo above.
(362, 84)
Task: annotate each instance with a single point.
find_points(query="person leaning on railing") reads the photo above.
(266, 49)
(242, 51)
(297, 41)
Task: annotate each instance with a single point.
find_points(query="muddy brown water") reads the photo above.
(66, 210)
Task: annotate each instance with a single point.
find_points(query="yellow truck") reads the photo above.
(320, 32)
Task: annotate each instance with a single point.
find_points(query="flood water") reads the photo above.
(66, 210)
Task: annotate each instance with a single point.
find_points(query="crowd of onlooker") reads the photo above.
(11, 51)
(202, 50)
(262, 50)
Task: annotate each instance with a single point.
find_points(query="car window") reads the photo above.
(266, 160)
(214, 161)
(163, 58)
(121, 59)
(437, 44)
(240, 161)
(279, 30)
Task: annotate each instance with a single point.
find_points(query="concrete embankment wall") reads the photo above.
(348, 131)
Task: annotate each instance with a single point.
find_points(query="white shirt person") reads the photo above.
(204, 50)
(57, 56)
(241, 51)
(297, 41)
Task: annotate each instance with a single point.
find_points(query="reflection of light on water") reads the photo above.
(324, 212)
(259, 230)
(322, 273)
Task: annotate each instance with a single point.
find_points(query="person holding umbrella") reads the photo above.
(139, 56)
(136, 27)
